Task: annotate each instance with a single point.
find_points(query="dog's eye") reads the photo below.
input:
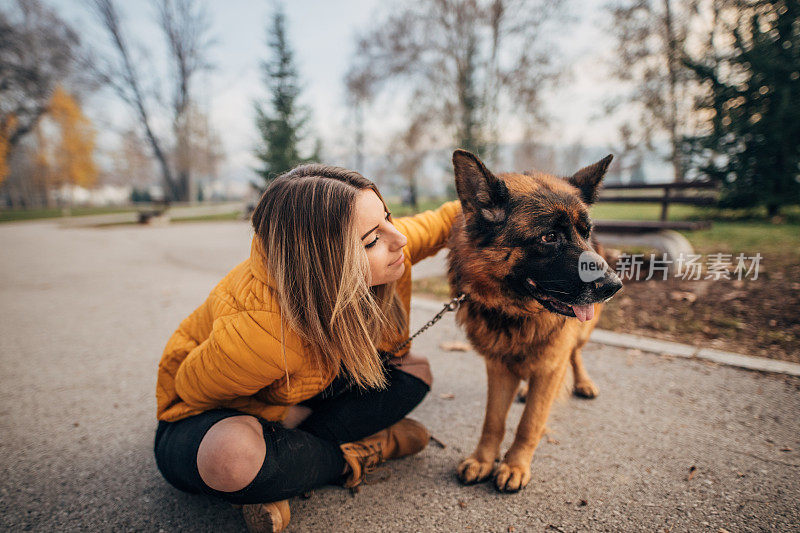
(550, 238)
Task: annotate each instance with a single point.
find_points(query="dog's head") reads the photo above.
(539, 224)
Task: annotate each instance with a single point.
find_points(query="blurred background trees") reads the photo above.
(467, 66)
(750, 72)
(700, 89)
(184, 25)
(65, 150)
(650, 37)
(39, 52)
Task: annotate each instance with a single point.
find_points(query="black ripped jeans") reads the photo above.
(297, 460)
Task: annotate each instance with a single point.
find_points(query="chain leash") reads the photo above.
(452, 305)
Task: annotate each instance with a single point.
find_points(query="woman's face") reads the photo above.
(381, 240)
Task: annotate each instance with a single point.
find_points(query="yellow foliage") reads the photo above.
(73, 158)
(7, 125)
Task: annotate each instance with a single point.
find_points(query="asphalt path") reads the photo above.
(669, 445)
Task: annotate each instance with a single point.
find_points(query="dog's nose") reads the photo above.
(607, 287)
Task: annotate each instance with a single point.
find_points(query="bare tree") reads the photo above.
(203, 150)
(533, 155)
(411, 155)
(573, 156)
(38, 50)
(185, 26)
(464, 61)
(357, 90)
(650, 38)
(132, 163)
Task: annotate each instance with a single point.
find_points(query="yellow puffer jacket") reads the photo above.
(227, 353)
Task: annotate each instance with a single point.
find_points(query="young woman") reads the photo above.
(281, 381)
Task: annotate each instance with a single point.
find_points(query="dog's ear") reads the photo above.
(588, 178)
(480, 191)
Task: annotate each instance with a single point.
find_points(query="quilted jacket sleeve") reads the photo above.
(239, 358)
(427, 232)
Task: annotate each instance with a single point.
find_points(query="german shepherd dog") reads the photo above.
(523, 254)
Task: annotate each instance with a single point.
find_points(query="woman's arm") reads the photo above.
(239, 358)
(427, 232)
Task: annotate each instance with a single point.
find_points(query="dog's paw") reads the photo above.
(586, 389)
(472, 470)
(511, 478)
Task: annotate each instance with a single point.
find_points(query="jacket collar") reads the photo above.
(258, 262)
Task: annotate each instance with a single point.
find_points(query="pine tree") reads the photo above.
(282, 126)
(753, 142)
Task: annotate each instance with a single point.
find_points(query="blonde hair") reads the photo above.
(307, 226)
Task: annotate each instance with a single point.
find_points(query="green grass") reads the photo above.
(14, 215)
(778, 241)
(731, 231)
(677, 212)
(626, 211)
(235, 215)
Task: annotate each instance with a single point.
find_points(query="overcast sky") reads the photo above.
(322, 34)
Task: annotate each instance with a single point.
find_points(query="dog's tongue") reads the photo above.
(583, 312)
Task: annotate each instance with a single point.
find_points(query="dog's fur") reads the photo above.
(521, 286)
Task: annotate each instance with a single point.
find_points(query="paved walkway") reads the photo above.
(85, 313)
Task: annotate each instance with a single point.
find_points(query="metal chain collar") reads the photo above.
(452, 305)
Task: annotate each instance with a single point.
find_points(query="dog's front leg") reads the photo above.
(514, 472)
(501, 386)
(583, 386)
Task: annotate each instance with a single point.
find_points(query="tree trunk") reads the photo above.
(672, 68)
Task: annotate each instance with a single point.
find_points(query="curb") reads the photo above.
(657, 346)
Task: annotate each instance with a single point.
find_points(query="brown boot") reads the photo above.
(266, 517)
(406, 437)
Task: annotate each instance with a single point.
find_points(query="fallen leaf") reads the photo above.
(732, 295)
(455, 346)
(683, 296)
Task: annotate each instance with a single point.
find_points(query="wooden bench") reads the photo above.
(667, 196)
(661, 234)
(155, 213)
